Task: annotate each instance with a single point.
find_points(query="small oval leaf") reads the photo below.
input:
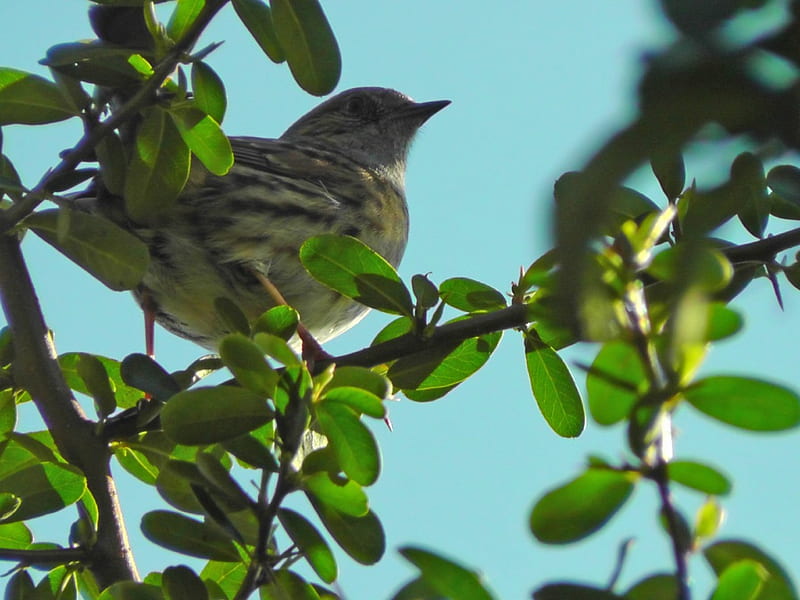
(553, 388)
(449, 579)
(351, 268)
(700, 477)
(211, 414)
(310, 543)
(257, 17)
(352, 441)
(31, 100)
(308, 41)
(188, 536)
(580, 507)
(746, 403)
(158, 170)
(470, 295)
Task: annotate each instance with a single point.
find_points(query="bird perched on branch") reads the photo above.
(338, 169)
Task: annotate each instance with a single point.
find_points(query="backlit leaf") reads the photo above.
(747, 403)
(351, 268)
(158, 170)
(308, 41)
(581, 507)
(31, 100)
(554, 388)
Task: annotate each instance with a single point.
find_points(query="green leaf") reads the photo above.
(433, 372)
(708, 519)
(449, 579)
(231, 315)
(690, 264)
(784, 180)
(277, 348)
(109, 253)
(209, 91)
(362, 378)
(187, 536)
(205, 138)
(246, 361)
(137, 464)
(15, 536)
(700, 477)
(144, 373)
(361, 537)
(346, 496)
(579, 508)
(94, 375)
(286, 585)
(31, 100)
(723, 322)
(111, 156)
(670, 171)
(310, 46)
(417, 589)
(280, 321)
(229, 576)
(158, 170)
(44, 488)
(746, 403)
(211, 414)
(251, 449)
(614, 383)
(351, 440)
(723, 554)
(257, 17)
(181, 583)
(470, 295)
(215, 473)
(95, 62)
(553, 388)
(20, 586)
(359, 400)
(654, 587)
(8, 412)
(310, 543)
(425, 291)
(351, 268)
(183, 17)
(740, 581)
(571, 591)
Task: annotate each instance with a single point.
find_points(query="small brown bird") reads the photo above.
(339, 169)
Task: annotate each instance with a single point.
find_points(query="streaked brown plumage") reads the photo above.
(339, 169)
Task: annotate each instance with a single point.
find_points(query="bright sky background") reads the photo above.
(535, 87)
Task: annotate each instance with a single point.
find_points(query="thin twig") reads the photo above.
(515, 315)
(680, 553)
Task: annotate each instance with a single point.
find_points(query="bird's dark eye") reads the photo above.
(356, 106)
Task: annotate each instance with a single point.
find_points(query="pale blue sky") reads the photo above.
(535, 86)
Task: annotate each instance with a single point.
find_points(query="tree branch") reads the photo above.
(763, 250)
(36, 369)
(84, 148)
(515, 315)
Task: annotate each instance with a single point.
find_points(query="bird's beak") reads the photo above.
(421, 111)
